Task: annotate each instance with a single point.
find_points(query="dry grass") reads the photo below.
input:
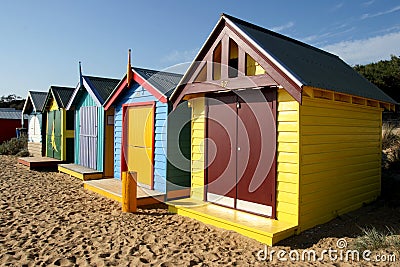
(390, 147)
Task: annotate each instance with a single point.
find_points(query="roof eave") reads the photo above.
(109, 101)
(74, 94)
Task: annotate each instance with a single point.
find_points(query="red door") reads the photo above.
(256, 151)
(241, 149)
(221, 149)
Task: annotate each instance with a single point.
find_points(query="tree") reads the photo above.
(12, 101)
(385, 74)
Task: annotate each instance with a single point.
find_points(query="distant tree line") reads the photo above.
(385, 74)
(12, 101)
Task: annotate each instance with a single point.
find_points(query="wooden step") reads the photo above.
(262, 229)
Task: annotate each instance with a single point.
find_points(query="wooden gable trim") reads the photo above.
(92, 92)
(142, 82)
(277, 74)
(151, 89)
(28, 99)
(74, 94)
(274, 77)
(122, 85)
(50, 96)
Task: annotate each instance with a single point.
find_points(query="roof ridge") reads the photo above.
(61, 87)
(36, 92)
(98, 77)
(158, 71)
(265, 30)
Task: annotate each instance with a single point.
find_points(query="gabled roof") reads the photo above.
(61, 94)
(303, 64)
(165, 82)
(159, 83)
(34, 102)
(99, 88)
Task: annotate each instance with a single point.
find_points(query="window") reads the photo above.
(233, 59)
(217, 62)
(202, 76)
(253, 67)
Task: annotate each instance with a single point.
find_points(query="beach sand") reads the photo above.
(48, 218)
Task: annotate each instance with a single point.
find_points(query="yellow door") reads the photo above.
(140, 142)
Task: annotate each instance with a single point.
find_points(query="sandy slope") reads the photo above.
(49, 219)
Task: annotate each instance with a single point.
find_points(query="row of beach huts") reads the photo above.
(263, 134)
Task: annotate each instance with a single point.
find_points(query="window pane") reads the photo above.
(253, 67)
(202, 76)
(217, 62)
(233, 59)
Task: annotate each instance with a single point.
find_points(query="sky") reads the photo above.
(41, 42)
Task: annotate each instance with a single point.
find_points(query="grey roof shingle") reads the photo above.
(310, 65)
(11, 114)
(165, 82)
(62, 95)
(102, 87)
(38, 99)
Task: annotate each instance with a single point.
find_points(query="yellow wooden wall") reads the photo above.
(340, 148)
(287, 187)
(198, 135)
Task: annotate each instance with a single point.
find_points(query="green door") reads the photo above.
(54, 137)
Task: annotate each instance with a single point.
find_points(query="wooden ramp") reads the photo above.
(39, 162)
(80, 172)
(112, 188)
(265, 230)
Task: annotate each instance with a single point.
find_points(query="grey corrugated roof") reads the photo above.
(38, 99)
(102, 87)
(9, 114)
(62, 95)
(312, 66)
(165, 82)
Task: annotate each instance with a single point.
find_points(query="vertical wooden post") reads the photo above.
(129, 191)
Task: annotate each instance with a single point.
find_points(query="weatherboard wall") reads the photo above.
(340, 158)
(137, 94)
(197, 151)
(87, 101)
(288, 157)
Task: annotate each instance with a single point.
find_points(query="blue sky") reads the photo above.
(41, 42)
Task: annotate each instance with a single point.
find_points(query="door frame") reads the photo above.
(124, 166)
(205, 189)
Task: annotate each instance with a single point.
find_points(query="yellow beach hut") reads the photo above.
(285, 136)
(60, 124)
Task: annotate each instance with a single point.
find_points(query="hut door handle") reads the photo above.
(238, 148)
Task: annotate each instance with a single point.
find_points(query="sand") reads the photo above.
(48, 218)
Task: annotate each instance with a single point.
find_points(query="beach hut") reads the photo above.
(33, 108)
(142, 123)
(285, 136)
(94, 129)
(10, 120)
(60, 124)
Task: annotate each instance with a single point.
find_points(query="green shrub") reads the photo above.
(23, 153)
(14, 146)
